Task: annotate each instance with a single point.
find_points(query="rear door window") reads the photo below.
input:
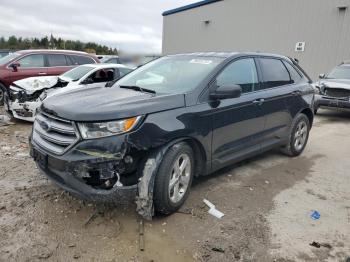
(241, 72)
(32, 61)
(81, 60)
(56, 60)
(274, 73)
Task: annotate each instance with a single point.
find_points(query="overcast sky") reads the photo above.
(131, 25)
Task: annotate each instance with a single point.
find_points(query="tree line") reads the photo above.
(20, 43)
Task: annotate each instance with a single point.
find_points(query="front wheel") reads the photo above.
(298, 136)
(174, 179)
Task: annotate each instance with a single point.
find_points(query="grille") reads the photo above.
(337, 92)
(53, 134)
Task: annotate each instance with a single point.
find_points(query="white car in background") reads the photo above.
(25, 96)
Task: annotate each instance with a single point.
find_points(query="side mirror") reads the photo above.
(226, 92)
(14, 66)
(321, 76)
(110, 83)
(88, 81)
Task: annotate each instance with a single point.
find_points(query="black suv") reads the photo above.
(174, 118)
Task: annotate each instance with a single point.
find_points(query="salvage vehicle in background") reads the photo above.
(333, 89)
(168, 121)
(25, 96)
(110, 59)
(4, 52)
(28, 63)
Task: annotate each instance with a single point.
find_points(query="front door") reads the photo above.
(237, 122)
(28, 66)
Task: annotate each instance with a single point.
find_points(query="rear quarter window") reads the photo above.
(294, 74)
(81, 60)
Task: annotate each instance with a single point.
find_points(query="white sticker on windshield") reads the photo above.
(201, 61)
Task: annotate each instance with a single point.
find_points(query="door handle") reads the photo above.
(42, 73)
(259, 101)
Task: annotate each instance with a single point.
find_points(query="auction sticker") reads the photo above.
(201, 61)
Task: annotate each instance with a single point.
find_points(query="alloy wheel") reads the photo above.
(300, 135)
(180, 178)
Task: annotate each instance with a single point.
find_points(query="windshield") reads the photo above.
(76, 73)
(341, 72)
(173, 74)
(4, 60)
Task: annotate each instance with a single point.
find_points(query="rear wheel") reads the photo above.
(174, 179)
(298, 136)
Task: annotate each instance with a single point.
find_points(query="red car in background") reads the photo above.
(27, 63)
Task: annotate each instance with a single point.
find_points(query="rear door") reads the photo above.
(29, 65)
(238, 122)
(276, 92)
(57, 64)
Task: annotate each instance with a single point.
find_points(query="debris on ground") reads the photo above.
(141, 235)
(218, 249)
(5, 120)
(212, 210)
(318, 245)
(315, 215)
(93, 216)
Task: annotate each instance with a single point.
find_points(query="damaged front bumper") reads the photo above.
(88, 177)
(323, 101)
(24, 111)
(21, 106)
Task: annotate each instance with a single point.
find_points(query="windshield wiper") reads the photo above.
(138, 88)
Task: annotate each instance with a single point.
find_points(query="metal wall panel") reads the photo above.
(273, 26)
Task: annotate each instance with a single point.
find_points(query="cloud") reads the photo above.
(130, 25)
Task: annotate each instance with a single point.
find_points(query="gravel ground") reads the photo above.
(267, 203)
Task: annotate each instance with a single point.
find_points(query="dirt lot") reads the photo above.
(267, 203)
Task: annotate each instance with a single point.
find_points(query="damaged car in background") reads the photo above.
(333, 89)
(25, 96)
(173, 119)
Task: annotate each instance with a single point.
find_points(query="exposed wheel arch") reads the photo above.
(199, 155)
(310, 115)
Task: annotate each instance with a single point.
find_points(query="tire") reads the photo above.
(294, 148)
(166, 201)
(2, 94)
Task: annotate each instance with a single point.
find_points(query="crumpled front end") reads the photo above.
(22, 105)
(105, 169)
(333, 98)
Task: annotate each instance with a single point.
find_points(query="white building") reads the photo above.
(317, 32)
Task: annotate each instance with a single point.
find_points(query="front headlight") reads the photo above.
(103, 129)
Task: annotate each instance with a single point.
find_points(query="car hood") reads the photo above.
(72, 86)
(33, 84)
(108, 103)
(335, 83)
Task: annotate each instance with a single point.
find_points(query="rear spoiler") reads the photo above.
(295, 62)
